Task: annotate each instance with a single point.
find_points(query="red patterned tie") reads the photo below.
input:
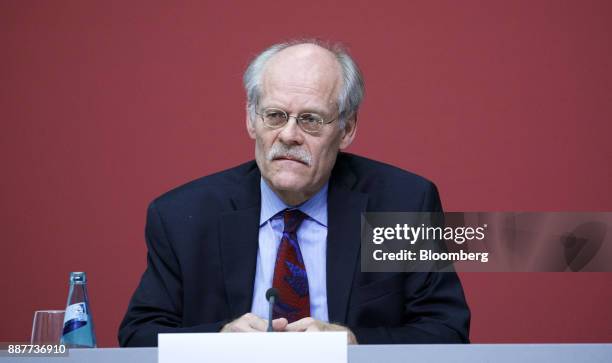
(290, 277)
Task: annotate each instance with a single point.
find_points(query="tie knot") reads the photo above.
(293, 218)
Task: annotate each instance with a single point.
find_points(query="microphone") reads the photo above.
(271, 296)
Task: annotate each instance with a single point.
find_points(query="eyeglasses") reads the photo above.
(309, 122)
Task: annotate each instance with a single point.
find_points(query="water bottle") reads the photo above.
(78, 325)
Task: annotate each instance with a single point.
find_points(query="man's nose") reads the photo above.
(291, 132)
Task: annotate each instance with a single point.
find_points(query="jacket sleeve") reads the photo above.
(435, 310)
(156, 306)
(436, 313)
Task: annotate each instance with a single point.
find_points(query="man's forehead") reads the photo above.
(303, 64)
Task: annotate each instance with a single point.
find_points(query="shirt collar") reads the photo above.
(271, 205)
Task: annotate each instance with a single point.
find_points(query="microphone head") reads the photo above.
(272, 292)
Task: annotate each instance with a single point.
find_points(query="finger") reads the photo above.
(245, 328)
(300, 325)
(323, 326)
(351, 338)
(315, 328)
(256, 323)
(279, 324)
(238, 326)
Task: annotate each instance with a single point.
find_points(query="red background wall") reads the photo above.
(104, 105)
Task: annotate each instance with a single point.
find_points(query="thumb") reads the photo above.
(279, 324)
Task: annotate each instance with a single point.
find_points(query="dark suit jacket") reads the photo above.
(202, 249)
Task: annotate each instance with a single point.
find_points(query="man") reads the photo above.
(291, 220)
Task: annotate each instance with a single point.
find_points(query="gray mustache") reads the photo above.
(280, 150)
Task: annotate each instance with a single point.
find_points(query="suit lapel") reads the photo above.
(239, 231)
(343, 240)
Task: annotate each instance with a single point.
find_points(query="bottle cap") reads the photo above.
(78, 277)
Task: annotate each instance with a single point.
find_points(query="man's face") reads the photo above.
(296, 164)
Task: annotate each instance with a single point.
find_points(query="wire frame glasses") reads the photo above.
(309, 122)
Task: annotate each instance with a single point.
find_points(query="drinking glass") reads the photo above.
(47, 327)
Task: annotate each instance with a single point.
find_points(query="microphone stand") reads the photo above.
(271, 296)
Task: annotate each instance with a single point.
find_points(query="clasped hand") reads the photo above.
(252, 323)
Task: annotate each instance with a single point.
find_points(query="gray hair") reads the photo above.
(349, 97)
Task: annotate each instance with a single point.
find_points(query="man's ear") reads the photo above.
(348, 133)
(250, 126)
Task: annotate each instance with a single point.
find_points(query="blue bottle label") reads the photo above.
(75, 317)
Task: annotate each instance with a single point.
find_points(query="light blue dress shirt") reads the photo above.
(312, 238)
